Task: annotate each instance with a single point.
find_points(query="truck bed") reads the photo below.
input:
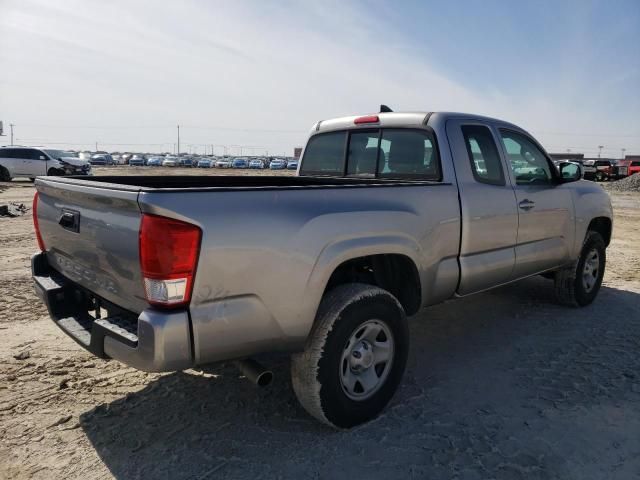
(226, 182)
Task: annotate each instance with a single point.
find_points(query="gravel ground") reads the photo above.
(504, 384)
(628, 184)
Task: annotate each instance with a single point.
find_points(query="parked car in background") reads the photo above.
(186, 161)
(292, 165)
(117, 159)
(634, 167)
(240, 162)
(32, 162)
(85, 156)
(599, 170)
(137, 160)
(155, 161)
(102, 159)
(256, 163)
(278, 164)
(205, 163)
(126, 157)
(223, 163)
(170, 161)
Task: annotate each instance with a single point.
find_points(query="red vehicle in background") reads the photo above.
(634, 167)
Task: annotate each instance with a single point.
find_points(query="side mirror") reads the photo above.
(570, 171)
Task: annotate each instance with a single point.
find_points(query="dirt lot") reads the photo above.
(501, 385)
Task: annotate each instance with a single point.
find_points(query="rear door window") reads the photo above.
(22, 153)
(324, 154)
(483, 155)
(33, 154)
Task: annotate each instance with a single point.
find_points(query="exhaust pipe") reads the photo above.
(254, 372)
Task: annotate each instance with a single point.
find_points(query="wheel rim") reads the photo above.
(366, 360)
(590, 270)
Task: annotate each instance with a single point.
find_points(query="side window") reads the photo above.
(408, 154)
(635, 164)
(483, 155)
(33, 154)
(363, 153)
(20, 153)
(528, 163)
(324, 155)
(4, 153)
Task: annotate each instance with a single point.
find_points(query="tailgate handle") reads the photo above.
(70, 220)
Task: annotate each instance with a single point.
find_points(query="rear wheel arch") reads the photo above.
(5, 176)
(393, 272)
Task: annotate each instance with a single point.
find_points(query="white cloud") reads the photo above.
(253, 66)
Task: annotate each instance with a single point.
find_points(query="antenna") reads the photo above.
(385, 109)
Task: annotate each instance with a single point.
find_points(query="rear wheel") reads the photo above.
(355, 356)
(52, 172)
(579, 285)
(4, 175)
(600, 177)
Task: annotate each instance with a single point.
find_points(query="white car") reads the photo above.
(170, 162)
(223, 163)
(33, 162)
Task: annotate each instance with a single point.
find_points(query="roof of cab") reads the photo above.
(399, 119)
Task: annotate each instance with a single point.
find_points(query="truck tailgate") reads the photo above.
(91, 237)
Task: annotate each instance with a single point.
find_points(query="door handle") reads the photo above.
(526, 204)
(70, 220)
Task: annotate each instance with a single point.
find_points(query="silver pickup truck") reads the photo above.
(389, 213)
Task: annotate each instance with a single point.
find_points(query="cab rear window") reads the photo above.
(394, 153)
(324, 154)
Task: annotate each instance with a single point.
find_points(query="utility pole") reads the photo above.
(96, 146)
(600, 147)
(11, 125)
(623, 150)
(178, 140)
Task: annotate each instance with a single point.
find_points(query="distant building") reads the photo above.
(297, 151)
(632, 158)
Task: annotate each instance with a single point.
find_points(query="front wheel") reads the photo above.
(579, 284)
(355, 356)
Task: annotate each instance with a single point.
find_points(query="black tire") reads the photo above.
(600, 177)
(54, 172)
(569, 286)
(4, 175)
(32, 179)
(316, 372)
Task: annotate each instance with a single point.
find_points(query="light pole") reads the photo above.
(623, 150)
(600, 147)
(11, 125)
(178, 140)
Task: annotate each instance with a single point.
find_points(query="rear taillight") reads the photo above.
(36, 226)
(168, 258)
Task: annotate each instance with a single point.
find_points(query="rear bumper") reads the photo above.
(155, 341)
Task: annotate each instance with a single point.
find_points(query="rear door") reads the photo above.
(488, 203)
(546, 227)
(34, 162)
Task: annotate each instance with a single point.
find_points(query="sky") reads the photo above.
(252, 77)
